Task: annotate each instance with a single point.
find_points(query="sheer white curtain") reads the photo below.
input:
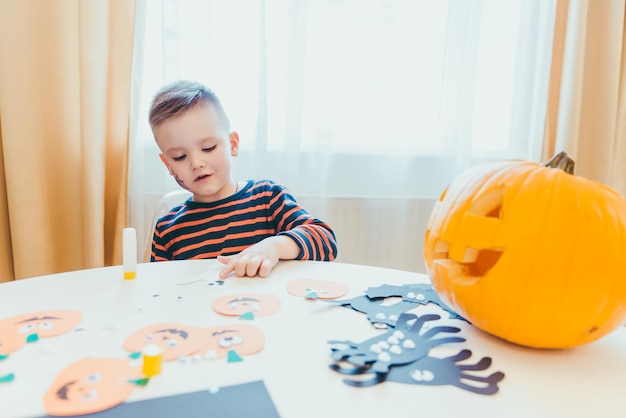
(344, 101)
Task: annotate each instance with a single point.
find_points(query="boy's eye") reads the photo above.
(179, 158)
(209, 149)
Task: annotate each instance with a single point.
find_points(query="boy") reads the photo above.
(247, 225)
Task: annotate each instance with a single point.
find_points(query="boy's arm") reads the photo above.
(158, 252)
(300, 236)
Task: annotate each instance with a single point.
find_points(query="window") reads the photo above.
(356, 97)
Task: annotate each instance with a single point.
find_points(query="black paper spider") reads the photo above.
(402, 345)
(432, 371)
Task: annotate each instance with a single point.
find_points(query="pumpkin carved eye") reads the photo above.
(476, 246)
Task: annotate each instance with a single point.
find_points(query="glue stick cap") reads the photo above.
(129, 236)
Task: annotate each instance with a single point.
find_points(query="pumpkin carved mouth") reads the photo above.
(475, 249)
(475, 264)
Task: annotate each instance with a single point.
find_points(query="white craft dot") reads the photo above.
(422, 375)
(384, 357)
(375, 348)
(410, 344)
(395, 349)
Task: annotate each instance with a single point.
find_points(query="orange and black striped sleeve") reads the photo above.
(259, 210)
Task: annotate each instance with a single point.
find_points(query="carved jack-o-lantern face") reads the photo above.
(530, 253)
(91, 385)
(175, 340)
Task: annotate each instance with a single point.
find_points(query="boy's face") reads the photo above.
(197, 150)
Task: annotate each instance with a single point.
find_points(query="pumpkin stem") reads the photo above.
(562, 161)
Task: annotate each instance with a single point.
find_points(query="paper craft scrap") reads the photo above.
(19, 330)
(316, 289)
(91, 385)
(175, 339)
(262, 304)
(2, 357)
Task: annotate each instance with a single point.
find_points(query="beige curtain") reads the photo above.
(65, 70)
(587, 108)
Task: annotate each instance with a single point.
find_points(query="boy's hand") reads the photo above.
(246, 265)
(260, 258)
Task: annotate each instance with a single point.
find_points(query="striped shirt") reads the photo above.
(259, 210)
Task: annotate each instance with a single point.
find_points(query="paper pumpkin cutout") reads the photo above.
(433, 371)
(260, 304)
(90, 385)
(316, 289)
(242, 339)
(420, 293)
(398, 346)
(21, 329)
(176, 340)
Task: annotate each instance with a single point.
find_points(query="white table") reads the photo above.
(585, 382)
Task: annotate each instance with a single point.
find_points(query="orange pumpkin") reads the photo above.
(530, 253)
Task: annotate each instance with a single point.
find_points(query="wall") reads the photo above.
(380, 232)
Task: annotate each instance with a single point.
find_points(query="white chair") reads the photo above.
(167, 202)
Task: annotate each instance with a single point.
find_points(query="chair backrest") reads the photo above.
(167, 202)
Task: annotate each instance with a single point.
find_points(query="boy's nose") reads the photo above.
(196, 161)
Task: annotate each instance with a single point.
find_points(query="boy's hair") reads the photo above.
(180, 96)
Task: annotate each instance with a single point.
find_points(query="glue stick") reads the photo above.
(152, 360)
(129, 253)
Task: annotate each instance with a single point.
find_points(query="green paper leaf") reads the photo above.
(2, 357)
(247, 315)
(139, 382)
(32, 338)
(7, 378)
(135, 355)
(233, 356)
(311, 295)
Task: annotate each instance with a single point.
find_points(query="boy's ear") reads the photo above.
(162, 157)
(234, 143)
